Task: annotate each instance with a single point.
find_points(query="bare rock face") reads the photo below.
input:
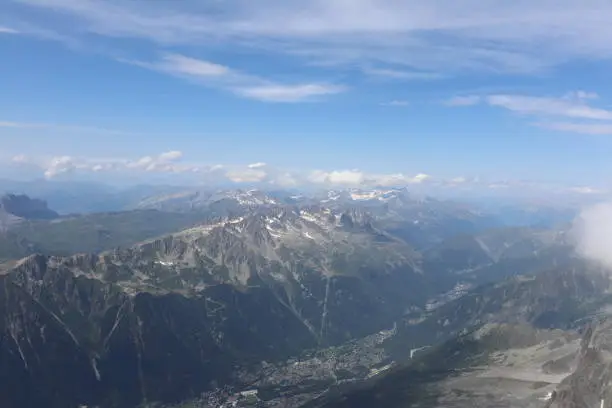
(591, 383)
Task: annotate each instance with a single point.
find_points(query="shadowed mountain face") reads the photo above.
(24, 207)
(16, 208)
(69, 339)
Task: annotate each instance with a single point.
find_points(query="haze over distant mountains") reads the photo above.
(171, 295)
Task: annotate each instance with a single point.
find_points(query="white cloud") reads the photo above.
(166, 162)
(170, 167)
(343, 177)
(389, 179)
(439, 36)
(242, 84)
(357, 177)
(397, 103)
(419, 178)
(584, 128)
(60, 165)
(285, 180)
(403, 75)
(468, 100)
(573, 105)
(586, 190)
(582, 95)
(8, 30)
(18, 124)
(65, 128)
(248, 175)
(458, 180)
(191, 66)
(20, 158)
(592, 232)
(170, 156)
(547, 106)
(288, 93)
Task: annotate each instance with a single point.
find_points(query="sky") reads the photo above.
(488, 93)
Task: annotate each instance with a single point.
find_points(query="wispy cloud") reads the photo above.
(8, 30)
(190, 66)
(248, 86)
(396, 103)
(570, 107)
(576, 105)
(288, 93)
(64, 128)
(467, 100)
(403, 74)
(437, 36)
(584, 128)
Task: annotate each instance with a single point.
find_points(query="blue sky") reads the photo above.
(324, 92)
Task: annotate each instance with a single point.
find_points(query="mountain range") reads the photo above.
(183, 294)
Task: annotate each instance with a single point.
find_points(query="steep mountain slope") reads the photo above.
(466, 334)
(170, 318)
(553, 298)
(589, 384)
(322, 266)
(69, 340)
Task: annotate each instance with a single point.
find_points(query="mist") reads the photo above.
(592, 232)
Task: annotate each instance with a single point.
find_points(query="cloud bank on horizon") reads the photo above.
(176, 170)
